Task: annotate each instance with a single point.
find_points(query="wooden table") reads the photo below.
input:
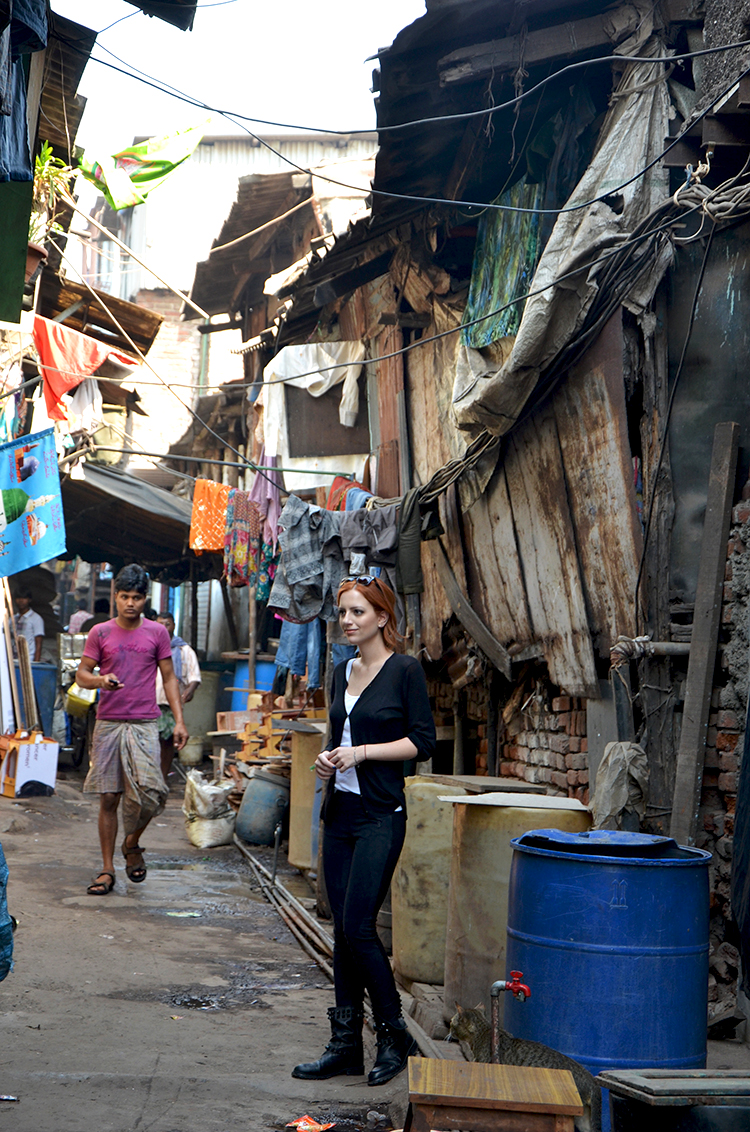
(477, 1097)
(485, 784)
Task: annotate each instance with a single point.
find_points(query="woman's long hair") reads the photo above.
(382, 598)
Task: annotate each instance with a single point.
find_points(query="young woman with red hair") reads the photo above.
(380, 717)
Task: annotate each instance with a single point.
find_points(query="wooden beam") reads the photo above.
(470, 620)
(561, 41)
(705, 636)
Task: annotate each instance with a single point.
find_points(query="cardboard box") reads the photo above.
(26, 758)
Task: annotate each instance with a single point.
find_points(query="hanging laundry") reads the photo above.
(341, 488)
(299, 650)
(209, 517)
(67, 357)
(241, 538)
(248, 559)
(266, 492)
(312, 563)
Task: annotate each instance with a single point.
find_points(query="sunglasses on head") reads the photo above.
(365, 579)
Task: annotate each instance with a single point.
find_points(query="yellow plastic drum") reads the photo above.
(419, 889)
(481, 855)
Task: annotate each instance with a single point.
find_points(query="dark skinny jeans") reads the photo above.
(360, 852)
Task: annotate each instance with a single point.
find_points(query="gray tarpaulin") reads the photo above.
(491, 395)
(621, 787)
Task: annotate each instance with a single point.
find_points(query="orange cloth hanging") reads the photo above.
(209, 516)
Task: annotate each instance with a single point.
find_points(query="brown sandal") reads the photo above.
(100, 887)
(136, 873)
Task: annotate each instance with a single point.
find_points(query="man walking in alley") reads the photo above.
(125, 756)
(29, 624)
(188, 673)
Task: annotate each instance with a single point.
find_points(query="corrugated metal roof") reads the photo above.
(243, 269)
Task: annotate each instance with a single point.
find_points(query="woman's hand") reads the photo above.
(344, 757)
(324, 767)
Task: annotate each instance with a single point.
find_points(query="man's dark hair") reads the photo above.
(81, 603)
(166, 614)
(25, 593)
(101, 605)
(132, 577)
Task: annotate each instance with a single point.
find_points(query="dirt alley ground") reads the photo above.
(176, 1005)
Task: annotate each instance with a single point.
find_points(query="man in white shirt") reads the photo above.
(29, 624)
(188, 675)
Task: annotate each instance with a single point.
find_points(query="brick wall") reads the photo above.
(545, 742)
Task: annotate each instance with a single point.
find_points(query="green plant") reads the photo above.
(51, 186)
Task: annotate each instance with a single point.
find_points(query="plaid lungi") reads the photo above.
(125, 759)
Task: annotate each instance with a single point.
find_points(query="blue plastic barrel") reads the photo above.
(610, 930)
(265, 671)
(264, 804)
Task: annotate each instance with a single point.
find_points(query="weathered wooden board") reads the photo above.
(493, 568)
(592, 426)
(434, 442)
(467, 615)
(544, 530)
(705, 638)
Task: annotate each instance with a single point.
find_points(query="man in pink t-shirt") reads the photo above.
(124, 756)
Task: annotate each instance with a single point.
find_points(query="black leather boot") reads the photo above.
(343, 1056)
(395, 1047)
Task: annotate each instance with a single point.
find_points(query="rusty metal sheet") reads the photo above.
(544, 530)
(493, 567)
(592, 426)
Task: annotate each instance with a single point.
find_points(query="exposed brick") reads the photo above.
(728, 720)
(574, 744)
(726, 740)
(559, 743)
(559, 779)
(583, 777)
(728, 572)
(481, 762)
(481, 729)
(580, 723)
(728, 783)
(584, 746)
(506, 770)
(711, 759)
(711, 737)
(572, 777)
(729, 823)
(561, 703)
(728, 592)
(741, 512)
(565, 720)
(483, 746)
(582, 795)
(727, 614)
(576, 762)
(512, 752)
(728, 762)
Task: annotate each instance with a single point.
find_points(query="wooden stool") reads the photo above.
(477, 1097)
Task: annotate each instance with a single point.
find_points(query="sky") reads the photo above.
(295, 61)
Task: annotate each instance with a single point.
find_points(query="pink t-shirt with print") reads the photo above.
(133, 655)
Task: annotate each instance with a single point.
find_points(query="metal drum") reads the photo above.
(610, 930)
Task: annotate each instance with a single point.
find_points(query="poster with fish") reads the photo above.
(32, 529)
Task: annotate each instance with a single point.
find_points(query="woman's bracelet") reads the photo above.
(364, 755)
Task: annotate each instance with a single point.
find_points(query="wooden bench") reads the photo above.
(477, 1097)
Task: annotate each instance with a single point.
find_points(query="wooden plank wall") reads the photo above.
(591, 421)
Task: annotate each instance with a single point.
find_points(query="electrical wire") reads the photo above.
(238, 120)
(466, 115)
(156, 374)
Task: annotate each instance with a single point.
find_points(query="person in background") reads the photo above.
(101, 614)
(29, 624)
(379, 718)
(188, 673)
(124, 755)
(77, 619)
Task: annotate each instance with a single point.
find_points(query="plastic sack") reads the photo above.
(6, 924)
(79, 700)
(209, 819)
(621, 791)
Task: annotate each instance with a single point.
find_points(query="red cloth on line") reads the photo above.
(67, 358)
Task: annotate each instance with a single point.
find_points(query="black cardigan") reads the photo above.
(394, 705)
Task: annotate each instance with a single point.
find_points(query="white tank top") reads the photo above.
(347, 780)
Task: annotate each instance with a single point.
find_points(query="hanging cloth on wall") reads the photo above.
(208, 520)
(266, 492)
(505, 259)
